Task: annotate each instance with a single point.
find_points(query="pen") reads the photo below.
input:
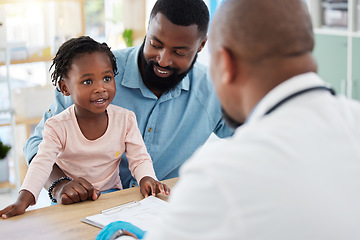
(120, 207)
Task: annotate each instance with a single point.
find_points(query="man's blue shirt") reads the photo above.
(173, 126)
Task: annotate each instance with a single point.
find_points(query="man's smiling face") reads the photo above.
(169, 51)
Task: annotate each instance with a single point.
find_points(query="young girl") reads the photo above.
(87, 139)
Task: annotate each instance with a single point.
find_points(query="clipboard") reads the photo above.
(139, 213)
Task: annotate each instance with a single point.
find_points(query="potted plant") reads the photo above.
(128, 37)
(4, 168)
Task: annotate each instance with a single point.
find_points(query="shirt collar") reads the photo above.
(283, 90)
(132, 77)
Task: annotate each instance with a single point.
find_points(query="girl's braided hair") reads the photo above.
(71, 49)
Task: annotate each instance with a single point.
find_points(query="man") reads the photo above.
(171, 95)
(291, 171)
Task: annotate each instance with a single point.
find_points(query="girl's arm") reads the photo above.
(24, 200)
(140, 163)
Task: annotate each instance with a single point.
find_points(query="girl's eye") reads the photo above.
(87, 82)
(107, 79)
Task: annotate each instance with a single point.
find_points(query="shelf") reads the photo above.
(6, 111)
(29, 60)
(335, 5)
(356, 34)
(332, 31)
(26, 1)
(6, 185)
(28, 122)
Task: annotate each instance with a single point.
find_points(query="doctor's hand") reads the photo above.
(149, 186)
(117, 229)
(77, 190)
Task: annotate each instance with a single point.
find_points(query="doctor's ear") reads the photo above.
(227, 65)
(63, 88)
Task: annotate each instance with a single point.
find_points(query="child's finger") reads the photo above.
(3, 213)
(70, 197)
(12, 212)
(87, 186)
(153, 187)
(161, 188)
(146, 194)
(96, 194)
(144, 189)
(166, 189)
(64, 199)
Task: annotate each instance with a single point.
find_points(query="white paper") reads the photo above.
(140, 214)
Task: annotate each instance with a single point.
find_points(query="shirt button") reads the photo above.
(133, 185)
(149, 129)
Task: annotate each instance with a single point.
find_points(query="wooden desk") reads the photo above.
(64, 221)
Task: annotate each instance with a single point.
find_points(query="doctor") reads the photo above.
(292, 170)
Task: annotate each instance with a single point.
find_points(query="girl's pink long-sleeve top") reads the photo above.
(95, 160)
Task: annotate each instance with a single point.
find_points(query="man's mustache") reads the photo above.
(167, 68)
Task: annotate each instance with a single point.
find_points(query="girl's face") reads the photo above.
(90, 83)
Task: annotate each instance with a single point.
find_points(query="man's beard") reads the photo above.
(230, 121)
(154, 82)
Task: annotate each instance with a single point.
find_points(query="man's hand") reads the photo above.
(24, 200)
(149, 186)
(77, 190)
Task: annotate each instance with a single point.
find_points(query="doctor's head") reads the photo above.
(255, 45)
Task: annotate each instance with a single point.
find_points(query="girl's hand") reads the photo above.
(24, 200)
(149, 186)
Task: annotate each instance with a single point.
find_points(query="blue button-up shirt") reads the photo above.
(173, 126)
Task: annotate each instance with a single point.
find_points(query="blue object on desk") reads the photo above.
(108, 231)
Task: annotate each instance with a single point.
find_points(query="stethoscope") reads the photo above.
(319, 88)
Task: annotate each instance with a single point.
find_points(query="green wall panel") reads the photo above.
(356, 68)
(331, 55)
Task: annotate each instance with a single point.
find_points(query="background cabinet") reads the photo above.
(331, 55)
(356, 68)
(337, 43)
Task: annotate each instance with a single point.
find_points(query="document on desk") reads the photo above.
(140, 213)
